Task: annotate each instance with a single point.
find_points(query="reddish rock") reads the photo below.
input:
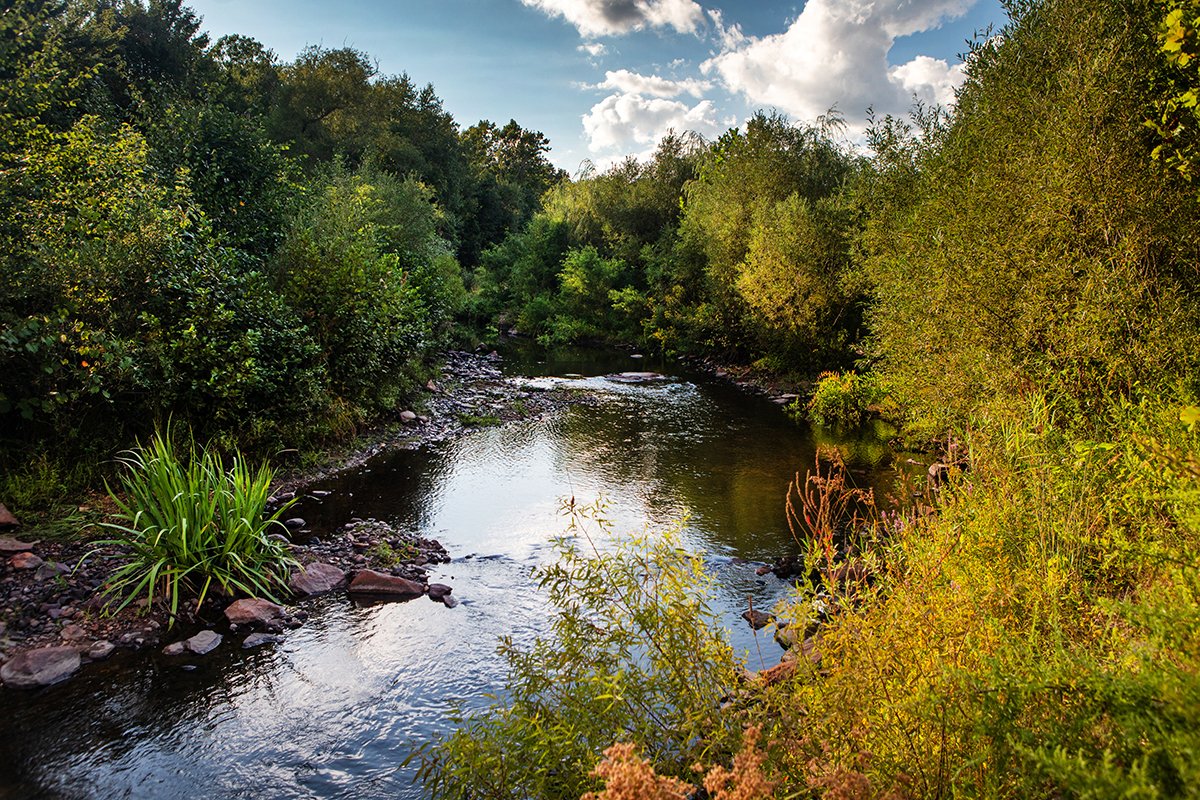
(438, 591)
(253, 610)
(43, 667)
(368, 581)
(25, 561)
(7, 520)
(316, 578)
(10, 545)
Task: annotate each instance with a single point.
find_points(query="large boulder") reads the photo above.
(316, 578)
(380, 584)
(253, 611)
(43, 667)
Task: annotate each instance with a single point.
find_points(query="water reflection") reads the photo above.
(335, 709)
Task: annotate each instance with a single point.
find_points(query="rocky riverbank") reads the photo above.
(53, 615)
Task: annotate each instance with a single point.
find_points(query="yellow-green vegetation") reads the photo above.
(632, 652)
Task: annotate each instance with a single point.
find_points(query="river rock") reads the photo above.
(438, 591)
(294, 524)
(175, 649)
(100, 650)
(259, 639)
(73, 633)
(253, 610)
(7, 520)
(10, 545)
(368, 581)
(203, 642)
(43, 667)
(408, 416)
(49, 570)
(316, 578)
(25, 561)
(449, 601)
(757, 619)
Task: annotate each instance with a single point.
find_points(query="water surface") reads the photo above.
(334, 710)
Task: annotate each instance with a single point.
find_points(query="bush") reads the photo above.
(194, 523)
(634, 654)
(843, 398)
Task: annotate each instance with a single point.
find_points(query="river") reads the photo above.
(333, 710)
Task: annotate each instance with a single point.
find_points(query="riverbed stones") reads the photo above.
(7, 520)
(408, 417)
(45, 666)
(438, 590)
(49, 570)
(10, 545)
(100, 650)
(294, 524)
(379, 584)
(25, 561)
(203, 642)
(174, 649)
(316, 578)
(253, 611)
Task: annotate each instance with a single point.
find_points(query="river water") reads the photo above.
(334, 710)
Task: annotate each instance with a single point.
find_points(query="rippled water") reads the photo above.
(334, 710)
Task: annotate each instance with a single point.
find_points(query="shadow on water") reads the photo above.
(335, 709)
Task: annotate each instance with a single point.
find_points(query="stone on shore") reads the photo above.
(252, 611)
(408, 416)
(42, 667)
(25, 561)
(10, 545)
(204, 642)
(7, 520)
(370, 582)
(437, 591)
(317, 578)
(98, 651)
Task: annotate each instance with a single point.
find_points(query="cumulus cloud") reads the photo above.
(627, 82)
(835, 54)
(613, 17)
(628, 123)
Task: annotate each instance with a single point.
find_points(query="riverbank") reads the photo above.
(51, 591)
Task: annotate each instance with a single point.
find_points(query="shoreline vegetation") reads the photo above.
(270, 255)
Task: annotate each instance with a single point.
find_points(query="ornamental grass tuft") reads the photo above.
(193, 523)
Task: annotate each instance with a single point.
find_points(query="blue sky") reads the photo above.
(606, 78)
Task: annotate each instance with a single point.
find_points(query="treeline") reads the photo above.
(1023, 275)
(742, 247)
(266, 250)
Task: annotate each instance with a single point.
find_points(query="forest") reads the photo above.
(274, 254)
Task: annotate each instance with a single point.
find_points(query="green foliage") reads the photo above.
(1036, 636)
(633, 654)
(1176, 119)
(1037, 247)
(194, 523)
(344, 267)
(843, 398)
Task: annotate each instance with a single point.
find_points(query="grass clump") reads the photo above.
(194, 522)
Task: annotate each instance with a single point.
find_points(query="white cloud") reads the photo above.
(627, 82)
(835, 54)
(593, 49)
(613, 17)
(627, 123)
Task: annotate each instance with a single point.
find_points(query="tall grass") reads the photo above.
(193, 522)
